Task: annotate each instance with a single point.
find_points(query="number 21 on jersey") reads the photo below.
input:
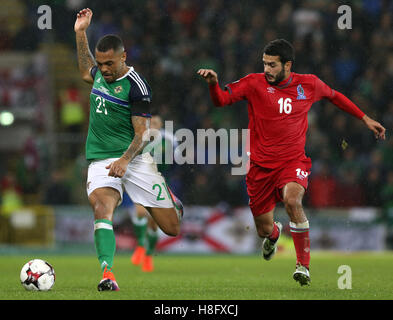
(285, 105)
(101, 103)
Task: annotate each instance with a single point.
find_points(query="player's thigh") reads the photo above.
(147, 187)
(103, 202)
(293, 180)
(261, 189)
(166, 219)
(97, 178)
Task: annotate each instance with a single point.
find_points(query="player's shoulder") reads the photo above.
(139, 88)
(137, 79)
(247, 81)
(134, 76)
(305, 77)
(254, 76)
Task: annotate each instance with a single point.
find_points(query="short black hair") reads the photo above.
(108, 42)
(281, 48)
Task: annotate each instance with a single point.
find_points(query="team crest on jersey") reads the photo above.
(118, 89)
(300, 93)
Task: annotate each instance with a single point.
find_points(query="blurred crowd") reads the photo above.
(168, 41)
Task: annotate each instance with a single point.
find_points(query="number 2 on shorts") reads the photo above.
(159, 197)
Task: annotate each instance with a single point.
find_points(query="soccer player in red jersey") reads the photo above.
(278, 102)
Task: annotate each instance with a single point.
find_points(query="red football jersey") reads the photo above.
(278, 114)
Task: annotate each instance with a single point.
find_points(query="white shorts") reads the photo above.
(142, 181)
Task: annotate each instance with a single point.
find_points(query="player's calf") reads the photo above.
(301, 239)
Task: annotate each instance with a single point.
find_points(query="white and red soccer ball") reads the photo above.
(37, 275)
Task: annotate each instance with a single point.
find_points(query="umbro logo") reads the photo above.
(98, 80)
(270, 89)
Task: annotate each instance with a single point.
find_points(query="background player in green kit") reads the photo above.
(118, 132)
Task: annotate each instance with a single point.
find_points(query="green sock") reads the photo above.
(105, 242)
(140, 226)
(152, 238)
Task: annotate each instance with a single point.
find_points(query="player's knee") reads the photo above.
(102, 211)
(293, 204)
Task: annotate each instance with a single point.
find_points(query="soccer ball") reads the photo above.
(37, 275)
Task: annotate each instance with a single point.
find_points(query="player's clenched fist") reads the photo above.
(117, 168)
(83, 19)
(209, 75)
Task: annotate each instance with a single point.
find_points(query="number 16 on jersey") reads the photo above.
(285, 105)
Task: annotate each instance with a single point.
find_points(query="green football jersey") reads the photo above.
(110, 127)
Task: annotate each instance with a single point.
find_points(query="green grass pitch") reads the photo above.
(204, 277)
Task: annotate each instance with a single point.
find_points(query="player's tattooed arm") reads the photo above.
(85, 58)
(141, 138)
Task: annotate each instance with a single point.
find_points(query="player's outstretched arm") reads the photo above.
(337, 98)
(85, 58)
(348, 106)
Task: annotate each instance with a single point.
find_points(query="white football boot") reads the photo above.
(302, 275)
(269, 248)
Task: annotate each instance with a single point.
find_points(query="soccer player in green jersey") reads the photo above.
(118, 127)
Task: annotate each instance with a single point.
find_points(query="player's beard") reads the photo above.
(279, 77)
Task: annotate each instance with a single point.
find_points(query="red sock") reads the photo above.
(275, 233)
(301, 239)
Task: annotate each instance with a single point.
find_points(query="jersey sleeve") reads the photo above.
(140, 95)
(93, 71)
(140, 89)
(233, 92)
(322, 90)
(238, 90)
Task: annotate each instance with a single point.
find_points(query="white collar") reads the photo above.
(128, 72)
